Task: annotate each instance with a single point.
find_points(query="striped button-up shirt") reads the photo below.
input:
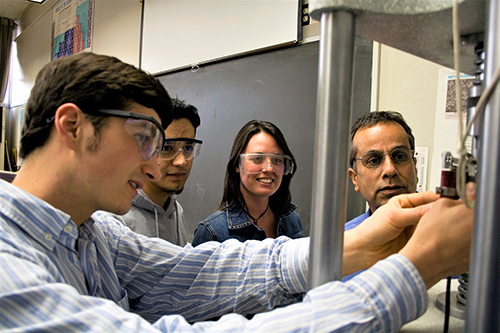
(102, 277)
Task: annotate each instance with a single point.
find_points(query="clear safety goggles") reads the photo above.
(172, 146)
(281, 164)
(374, 159)
(145, 130)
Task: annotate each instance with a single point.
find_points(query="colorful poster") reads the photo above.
(71, 27)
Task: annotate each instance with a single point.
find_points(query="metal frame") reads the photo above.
(329, 200)
(483, 295)
(333, 118)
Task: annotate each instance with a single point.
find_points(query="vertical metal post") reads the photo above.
(333, 119)
(483, 303)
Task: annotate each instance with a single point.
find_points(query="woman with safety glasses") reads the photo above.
(256, 203)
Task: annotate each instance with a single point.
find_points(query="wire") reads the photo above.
(456, 58)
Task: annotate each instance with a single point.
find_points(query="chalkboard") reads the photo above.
(278, 86)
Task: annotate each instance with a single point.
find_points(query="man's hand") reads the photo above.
(440, 245)
(385, 232)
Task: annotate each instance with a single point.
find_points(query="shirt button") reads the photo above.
(68, 228)
(48, 237)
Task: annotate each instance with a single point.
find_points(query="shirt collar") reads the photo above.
(37, 218)
(237, 218)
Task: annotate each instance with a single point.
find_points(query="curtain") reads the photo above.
(6, 28)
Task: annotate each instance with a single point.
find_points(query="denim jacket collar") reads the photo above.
(237, 218)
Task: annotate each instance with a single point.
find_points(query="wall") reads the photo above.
(117, 27)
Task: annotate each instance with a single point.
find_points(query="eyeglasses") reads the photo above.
(281, 164)
(190, 148)
(145, 130)
(374, 159)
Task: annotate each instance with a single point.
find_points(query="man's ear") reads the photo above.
(352, 175)
(68, 121)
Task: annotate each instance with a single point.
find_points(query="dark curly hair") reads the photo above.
(183, 110)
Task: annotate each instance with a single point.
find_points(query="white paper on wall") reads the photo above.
(422, 156)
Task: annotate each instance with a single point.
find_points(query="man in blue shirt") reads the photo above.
(93, 131)
(382, 162)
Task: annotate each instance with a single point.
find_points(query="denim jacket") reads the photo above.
(233, 222)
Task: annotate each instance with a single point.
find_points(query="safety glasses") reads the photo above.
(256, 163)
(172, 146)
(374, 159)
(145, 130)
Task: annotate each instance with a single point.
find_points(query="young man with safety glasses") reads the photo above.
(90, 142)
(155, 211)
